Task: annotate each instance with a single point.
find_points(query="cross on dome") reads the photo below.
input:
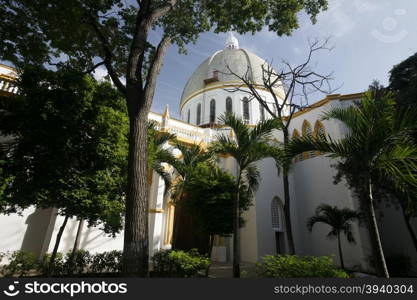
(232, 42)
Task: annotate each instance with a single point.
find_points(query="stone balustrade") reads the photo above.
(7, 84)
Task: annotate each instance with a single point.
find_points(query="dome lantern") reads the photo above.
(232, 42)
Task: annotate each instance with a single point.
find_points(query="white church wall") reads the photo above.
(92, 239)
(30, 232)
(312, 190)
(395, 237)
(156, 215)
(270, 186)
(249, 237)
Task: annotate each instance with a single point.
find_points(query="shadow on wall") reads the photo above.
(40, 225)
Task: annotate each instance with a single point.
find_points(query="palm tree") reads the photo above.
(377, 146)
(158, 155)
(191, 156)
(246, 146)
(340, 220)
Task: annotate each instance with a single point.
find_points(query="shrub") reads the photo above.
(59, 267)
(173, 263)
(107, 262)
(21, 263)
(293, 266)
(81, 262)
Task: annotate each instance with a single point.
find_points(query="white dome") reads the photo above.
(240, 61)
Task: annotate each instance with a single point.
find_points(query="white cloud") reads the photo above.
(100, 73)
(337, 18)
(297, 50)
(366, 6)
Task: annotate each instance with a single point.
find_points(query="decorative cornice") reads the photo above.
(8, 67)
(328, 99)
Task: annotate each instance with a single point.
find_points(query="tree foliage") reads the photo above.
(340, 221)
(69, 147)
(116, 34)
(83, 29)
(377, 148)
(246, 146)
(209, 195)
(159, 154)
(403, 81)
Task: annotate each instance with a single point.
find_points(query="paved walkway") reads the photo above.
(225, 270)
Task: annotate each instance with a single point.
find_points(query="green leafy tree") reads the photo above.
(402, 199)
(403, 81)
(340, 220)
(247, 146)
(377, 146)
(209, 195)
(69, 148)
(116, 34)
(191, 156)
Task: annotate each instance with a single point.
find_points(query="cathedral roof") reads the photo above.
(214, 68)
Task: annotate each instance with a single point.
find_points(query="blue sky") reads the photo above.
(369, 37)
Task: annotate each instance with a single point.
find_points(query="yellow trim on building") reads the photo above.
(156, 210)
(328, 99)
(8, 77)
(8, 67)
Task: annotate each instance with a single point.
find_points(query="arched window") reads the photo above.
(295, 133)
(229, 105)
(246, 110)
(277, 215)
(262, 112)
(307, 131)
(319, 130)
(188, 116)
(198, 119)
(212, 111)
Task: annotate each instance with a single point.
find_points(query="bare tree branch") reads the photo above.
(296, 82)
(94, 67)
(155, 67)
(108, 55)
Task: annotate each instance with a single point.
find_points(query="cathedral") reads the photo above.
(205, 97)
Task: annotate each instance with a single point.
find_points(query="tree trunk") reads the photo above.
(139, 100)
(136, 244)
(381, 265)
(407, 220)
(287, 206)
(51, 265)
(236, 230)
(339, 244)
(75, 247)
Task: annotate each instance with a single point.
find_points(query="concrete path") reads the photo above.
(225, 270)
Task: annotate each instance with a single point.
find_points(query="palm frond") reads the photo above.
(338, 219)
(252, 177)
(166, 177)
(264, 129)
